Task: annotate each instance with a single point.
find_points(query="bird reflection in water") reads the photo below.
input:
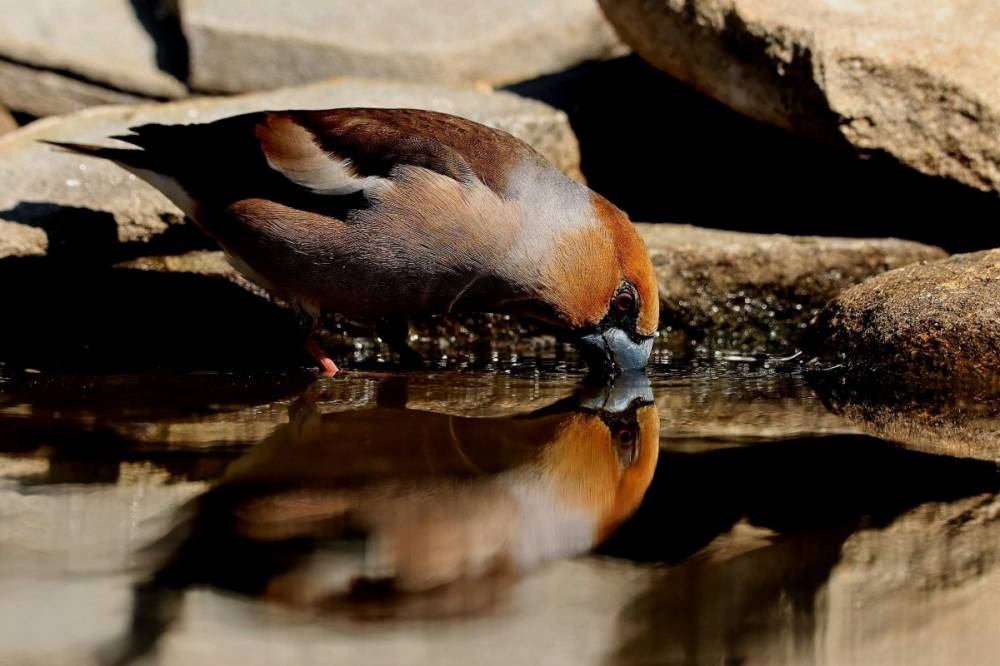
(391, 512)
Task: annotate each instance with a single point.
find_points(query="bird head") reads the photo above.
(600, 287)
(603, 457)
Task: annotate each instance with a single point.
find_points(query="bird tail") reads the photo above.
(152, 160)
(127, 157)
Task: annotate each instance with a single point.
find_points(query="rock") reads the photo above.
(7, 122)
(276, 44)
(42, 93)
(107, 208)
(921, 329)
(18, 240)
(757, 292)
(61, 55)
(917, 81)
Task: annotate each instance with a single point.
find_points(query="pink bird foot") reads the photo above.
(329, 367)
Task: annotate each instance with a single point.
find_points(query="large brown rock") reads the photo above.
(757, 292)
(45, 192)
(923, 328)
(62, 55)
(917, 80)
(269, 44)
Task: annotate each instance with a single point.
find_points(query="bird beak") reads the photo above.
(613, 351)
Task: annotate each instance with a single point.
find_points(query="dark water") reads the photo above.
(728, 512)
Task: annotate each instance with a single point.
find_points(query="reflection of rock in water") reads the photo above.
(192, 426)
(841, 530)
(390, 512)
(970, 433)
(921, 591)
(719, 406)
(936, 422)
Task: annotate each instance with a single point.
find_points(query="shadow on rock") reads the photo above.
(71, 318)
(83, 236)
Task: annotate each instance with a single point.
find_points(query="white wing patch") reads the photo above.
(292, 151)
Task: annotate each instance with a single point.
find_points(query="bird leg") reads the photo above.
(329, 367)
(308, 320)
(395, 332)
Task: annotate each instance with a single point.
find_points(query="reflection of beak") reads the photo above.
(617, 403)
(618, 396)
(612, 351)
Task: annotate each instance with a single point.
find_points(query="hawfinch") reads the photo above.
(388, 213)
(394, 512)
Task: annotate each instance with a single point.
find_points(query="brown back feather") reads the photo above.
(377, 140)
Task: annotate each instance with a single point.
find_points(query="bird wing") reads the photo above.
(341, 151)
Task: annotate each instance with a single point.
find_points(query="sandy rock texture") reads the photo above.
(233, 49)
(922, 328)
(759, 291)
(919, 81)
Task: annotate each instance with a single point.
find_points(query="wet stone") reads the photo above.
(728, 290)
(920, 330)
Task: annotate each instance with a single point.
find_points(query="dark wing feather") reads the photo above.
(300, 158)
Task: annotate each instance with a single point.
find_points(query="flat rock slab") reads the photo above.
(238, 46)
(917, 80)
(82, 49)
(734, 290)
(46, 193)
(40, 92)
(922, 328)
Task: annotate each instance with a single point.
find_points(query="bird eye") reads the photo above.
(623, 438)
(625, 301)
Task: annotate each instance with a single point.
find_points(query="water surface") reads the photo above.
(718, 512)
